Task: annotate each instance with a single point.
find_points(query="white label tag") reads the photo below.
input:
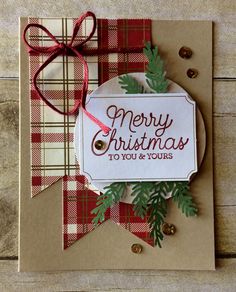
(152, 138)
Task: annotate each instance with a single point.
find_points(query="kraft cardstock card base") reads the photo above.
(109, 245)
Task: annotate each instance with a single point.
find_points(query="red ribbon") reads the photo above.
(79, 50)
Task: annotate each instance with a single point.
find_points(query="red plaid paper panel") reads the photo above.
(79, 201)
(52, 149)
(122, 33)
(111, 33)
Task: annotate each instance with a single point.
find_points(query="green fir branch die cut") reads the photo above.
(149, 197)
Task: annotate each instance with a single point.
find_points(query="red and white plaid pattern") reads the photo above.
(52, 149)
(80, 200)
(122, 33)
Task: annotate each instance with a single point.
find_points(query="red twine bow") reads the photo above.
(78, 50)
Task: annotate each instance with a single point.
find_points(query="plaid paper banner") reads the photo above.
(52, 149)
(80, 200)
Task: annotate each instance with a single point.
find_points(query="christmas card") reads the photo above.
(116, 168)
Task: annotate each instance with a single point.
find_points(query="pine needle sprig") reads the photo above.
(155, 74)
(182, 196)
(162, 187)
(130, 84)
(113, 194)
(157, 214)
(141, 193)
